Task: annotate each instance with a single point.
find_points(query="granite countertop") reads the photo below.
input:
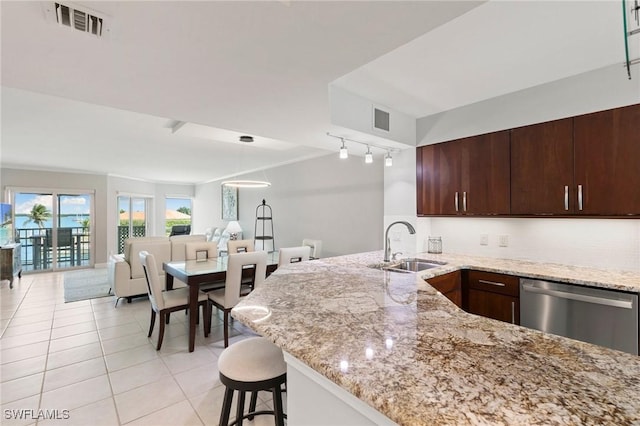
(418, 359)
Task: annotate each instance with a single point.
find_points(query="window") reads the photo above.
(178, 215)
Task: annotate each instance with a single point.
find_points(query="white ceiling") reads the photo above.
(71, 101)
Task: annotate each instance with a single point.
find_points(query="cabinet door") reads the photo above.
(438, 178)
(485, 174)
(607, 156)
(449, 285)
(494, 305)
(542, 168)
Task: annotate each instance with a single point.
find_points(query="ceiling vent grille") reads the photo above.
(78, 18)
(380, 119)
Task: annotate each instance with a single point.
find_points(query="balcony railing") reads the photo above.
(72, 250)
(123, 234)
(37, 253)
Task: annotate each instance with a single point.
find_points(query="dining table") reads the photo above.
(195, 273)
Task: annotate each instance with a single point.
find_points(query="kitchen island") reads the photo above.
(391, 343)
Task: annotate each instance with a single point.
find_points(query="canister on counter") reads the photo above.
(434, 245)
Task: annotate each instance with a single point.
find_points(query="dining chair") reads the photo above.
(293, 254)
(164, 302)
(316, 247)
(191, 249)
(191, 253)
(226, 298)
(239, 246)
(243, 246)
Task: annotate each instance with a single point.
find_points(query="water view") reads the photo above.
(22, 221)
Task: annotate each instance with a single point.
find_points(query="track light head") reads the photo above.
(368, 157)
(343, 150)
(388, 161)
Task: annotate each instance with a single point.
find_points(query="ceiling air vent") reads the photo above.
(380, 119)
(78, 18)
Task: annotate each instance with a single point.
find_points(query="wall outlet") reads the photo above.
(484, 239)
(503, 240)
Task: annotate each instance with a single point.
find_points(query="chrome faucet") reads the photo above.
(387, 244)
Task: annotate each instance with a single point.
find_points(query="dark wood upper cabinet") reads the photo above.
(466, 176)
(607, 162)
(485, 174)
(542, 168)
(438, 178)
(588, 165)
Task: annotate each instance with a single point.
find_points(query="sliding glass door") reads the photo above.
(132, 219)
(54, 229)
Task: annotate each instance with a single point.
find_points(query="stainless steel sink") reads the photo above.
(413, 265)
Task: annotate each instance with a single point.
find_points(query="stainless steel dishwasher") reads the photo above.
(595, 315)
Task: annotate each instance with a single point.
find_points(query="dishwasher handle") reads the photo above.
(626, 304)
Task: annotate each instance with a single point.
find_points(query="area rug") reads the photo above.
(86, 284)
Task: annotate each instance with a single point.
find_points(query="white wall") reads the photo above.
(598, 243)
(337, 201)
(602, 243)
(400, 200)
(597, 90)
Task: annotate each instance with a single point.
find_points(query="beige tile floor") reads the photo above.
(93, 363)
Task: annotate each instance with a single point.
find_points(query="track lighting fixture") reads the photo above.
(343, 151)
(368, 157)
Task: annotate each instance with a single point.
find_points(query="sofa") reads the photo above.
(125, 272)
(222, 237)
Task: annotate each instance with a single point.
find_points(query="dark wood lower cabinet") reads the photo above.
(450, 285)
(494, 305)
(492, 295)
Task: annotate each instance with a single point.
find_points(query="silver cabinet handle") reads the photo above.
(464, 201)
(513, 312)
(626, 304)
(566, 197)
(579, 197)
(456, 201)
(492, 283)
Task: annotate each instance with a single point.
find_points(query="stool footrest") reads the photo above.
(250, 416)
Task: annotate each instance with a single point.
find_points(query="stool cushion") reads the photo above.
(252, 360)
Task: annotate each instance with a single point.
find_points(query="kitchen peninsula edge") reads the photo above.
(406, 351)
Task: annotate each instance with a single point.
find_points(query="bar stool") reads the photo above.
(252, 365)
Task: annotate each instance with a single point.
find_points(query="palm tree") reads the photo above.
(38, 215)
